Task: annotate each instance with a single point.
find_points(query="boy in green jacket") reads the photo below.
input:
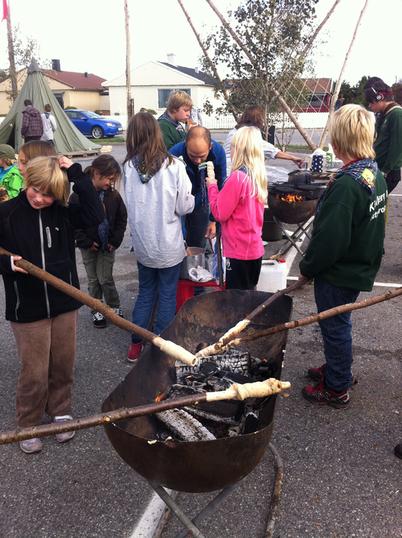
(11, 180)
(388, 142)
(178, 111)
(346, 248)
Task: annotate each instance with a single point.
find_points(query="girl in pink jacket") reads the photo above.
(239, 207)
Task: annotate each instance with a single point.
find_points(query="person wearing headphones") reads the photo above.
(388, 142)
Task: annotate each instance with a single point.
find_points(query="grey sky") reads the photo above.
(88, 35)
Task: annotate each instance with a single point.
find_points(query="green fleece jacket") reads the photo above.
(12, 181)
(346, 246)
(172, 132)
(388, 142)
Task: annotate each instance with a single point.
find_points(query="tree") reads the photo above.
(274, 32)
(353, 94)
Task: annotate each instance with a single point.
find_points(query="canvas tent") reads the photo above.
(68, 140)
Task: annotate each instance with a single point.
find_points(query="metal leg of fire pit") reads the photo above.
(209, 509)
(294, 237)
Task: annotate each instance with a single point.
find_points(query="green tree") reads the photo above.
(353, 94)
(274, 33)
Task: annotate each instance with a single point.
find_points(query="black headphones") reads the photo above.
(377, 96)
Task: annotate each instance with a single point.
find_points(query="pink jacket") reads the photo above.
(241, 216)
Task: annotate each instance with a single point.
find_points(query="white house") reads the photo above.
(151, 84)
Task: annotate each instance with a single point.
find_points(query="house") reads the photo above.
(152, 83)
(71, 89)
(317, 94)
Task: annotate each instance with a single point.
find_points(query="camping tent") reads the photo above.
(67, 138)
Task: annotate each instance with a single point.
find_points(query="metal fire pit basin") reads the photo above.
(203, 465)
(291, 212)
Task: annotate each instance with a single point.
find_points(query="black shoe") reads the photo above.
(98, 320)
(398, 451)
(119, 312)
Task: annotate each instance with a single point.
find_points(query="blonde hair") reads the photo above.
(178, 99)
(247, 147)
(352, 131)
(45, 174)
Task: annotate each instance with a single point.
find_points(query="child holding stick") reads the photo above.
(39, 226)
(239, 207)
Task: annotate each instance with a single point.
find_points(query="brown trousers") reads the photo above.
(46, 349)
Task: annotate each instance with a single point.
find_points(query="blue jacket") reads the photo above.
(216, 155)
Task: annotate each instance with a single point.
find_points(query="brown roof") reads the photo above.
(78, 81)
(319, 85)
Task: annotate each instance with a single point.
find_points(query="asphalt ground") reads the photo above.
(341, 478)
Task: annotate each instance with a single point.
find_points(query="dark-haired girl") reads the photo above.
(158, 193)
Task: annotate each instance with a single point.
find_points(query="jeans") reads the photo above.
(196, 224)
(336, 333)
(99, 268)
(155, 285)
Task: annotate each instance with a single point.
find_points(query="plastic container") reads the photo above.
(317, 161)
(273, 276)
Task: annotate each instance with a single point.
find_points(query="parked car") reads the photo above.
(91, 124)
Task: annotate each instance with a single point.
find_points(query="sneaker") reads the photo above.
(118, 311)
(134, 351)
(65, 436)
(316, 374)
(30, 446)
(98, 320)
(321, 395)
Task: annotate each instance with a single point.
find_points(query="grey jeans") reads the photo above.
(99, 268)
(46, 349)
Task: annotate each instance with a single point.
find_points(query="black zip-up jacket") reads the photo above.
(44, 237)
(116, 214)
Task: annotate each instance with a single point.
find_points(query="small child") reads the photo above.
(239, 207)
(38, 225)
(11, 180)
(98, 243)
(158, 193)
(178, 111)
(346, 248)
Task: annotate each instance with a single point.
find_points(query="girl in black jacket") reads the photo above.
(39, 226)
(98, 243)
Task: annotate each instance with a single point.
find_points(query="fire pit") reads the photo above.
(294, 204)
(207, 465)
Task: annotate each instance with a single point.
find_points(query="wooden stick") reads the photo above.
(233, 332)
(237, 391)
(168, 347)
(338, 84)
(254, 63)
(325, 314)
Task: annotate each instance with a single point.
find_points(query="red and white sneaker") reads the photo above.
(321, 395)
(134, 351)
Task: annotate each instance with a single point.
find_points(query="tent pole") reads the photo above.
(11, 59)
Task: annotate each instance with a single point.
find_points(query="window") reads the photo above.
(163, 95)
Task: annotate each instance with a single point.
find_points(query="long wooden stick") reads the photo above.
(254, 62)
(325, 314)
(210, 62)
(260, 389)
(338, 84)
(168, 347)
(234, 332)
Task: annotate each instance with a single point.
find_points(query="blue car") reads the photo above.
(91, 124)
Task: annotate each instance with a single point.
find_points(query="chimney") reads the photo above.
(56, 65)
(197, 69)
(86, 74)
(171, 59)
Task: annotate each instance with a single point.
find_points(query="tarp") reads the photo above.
(67, 138)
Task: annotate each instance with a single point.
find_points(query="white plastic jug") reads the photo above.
(273, 275)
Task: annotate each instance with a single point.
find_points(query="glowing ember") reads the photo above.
(159, 397)
(291, 198)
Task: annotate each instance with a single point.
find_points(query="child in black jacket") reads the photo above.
(98, 243)
(39, 226)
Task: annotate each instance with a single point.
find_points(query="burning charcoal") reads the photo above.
(251, 422)
(210, 416)
(184, 425)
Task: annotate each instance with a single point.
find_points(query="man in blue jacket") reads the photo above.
(199, 148)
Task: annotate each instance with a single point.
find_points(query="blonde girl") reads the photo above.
(239, 207)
